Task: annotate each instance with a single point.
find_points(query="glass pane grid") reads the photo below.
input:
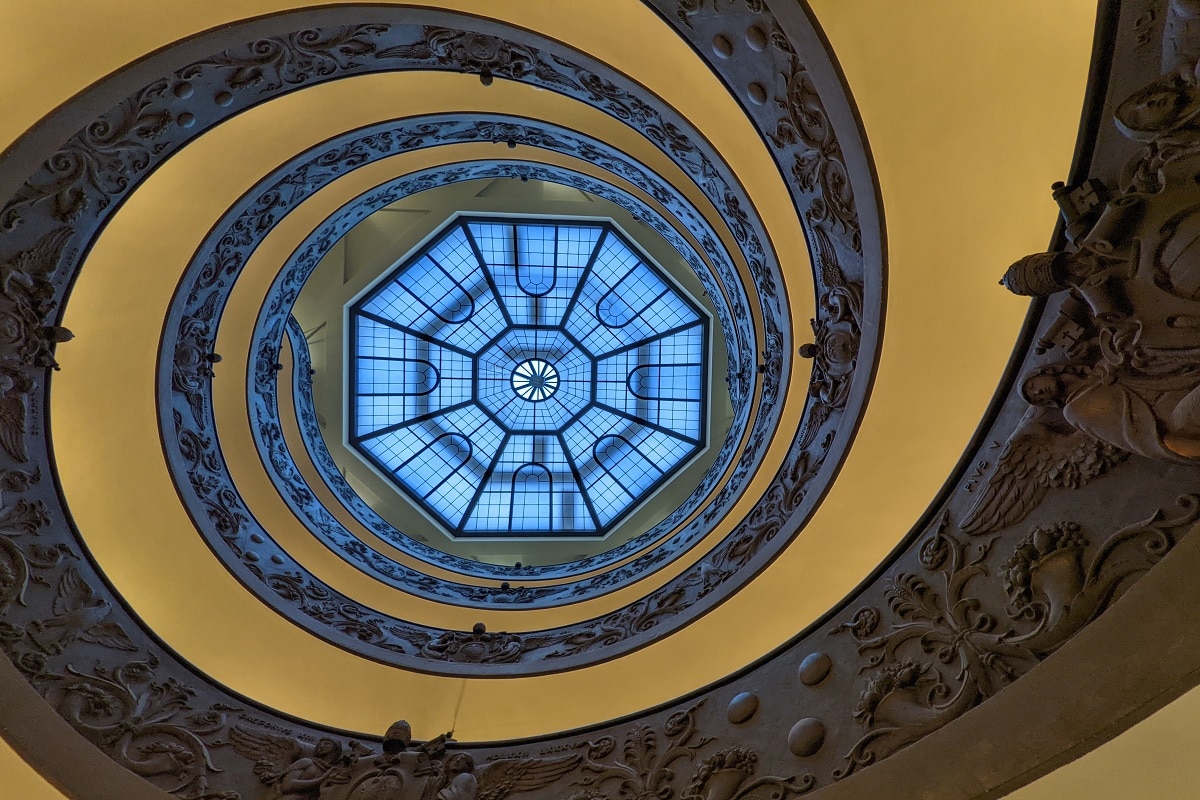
(528, 378)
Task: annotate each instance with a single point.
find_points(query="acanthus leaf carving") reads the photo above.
(643, 767)
(945, 651)
(149, 727)
(22, 561)
(98, 163)
(647, 765)
(818, 164)
(294, 59)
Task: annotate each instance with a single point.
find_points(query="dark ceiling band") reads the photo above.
(129, 689)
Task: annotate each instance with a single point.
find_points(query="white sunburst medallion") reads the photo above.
(535, 379)
(528, 377)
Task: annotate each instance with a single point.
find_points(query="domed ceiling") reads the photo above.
(501, 367)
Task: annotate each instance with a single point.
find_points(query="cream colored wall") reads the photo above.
(1156, 758)
(19, 780)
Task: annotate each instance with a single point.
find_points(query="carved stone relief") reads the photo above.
(25, 282)
(262, 397)
(953, 619)
(1124, 370)
(648, 765)
(355, 627)
(944, 649)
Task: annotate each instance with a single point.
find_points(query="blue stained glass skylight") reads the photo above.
(527, 377)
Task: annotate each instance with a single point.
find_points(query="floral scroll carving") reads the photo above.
(153, 728)
(944, 648)
(469, 51)
(99, 163)
(818, 164)
(647, 764)
(837, 336)
(478, 646)
(292, 60)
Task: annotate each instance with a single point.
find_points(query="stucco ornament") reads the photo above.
(944, 649)
(1130, 327)
(427, 771)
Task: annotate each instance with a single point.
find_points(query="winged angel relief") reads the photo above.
(1127, 338)
(297, 770)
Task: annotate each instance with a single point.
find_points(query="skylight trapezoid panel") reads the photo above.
(398, 374)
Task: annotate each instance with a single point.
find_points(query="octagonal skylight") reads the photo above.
(527, 377)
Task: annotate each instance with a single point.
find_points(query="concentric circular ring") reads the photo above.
(263, 557)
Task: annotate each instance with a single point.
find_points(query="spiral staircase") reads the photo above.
(897, 566)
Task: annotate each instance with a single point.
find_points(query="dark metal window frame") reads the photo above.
(607, 230)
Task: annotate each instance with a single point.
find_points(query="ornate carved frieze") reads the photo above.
(649, 766)
(837, 335)
(25, 283)
(265, 66)
(945, 648)
(953, 618)
(100, 162)
(817, 162)
(746, 547)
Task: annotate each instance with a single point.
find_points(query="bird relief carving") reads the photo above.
(25, 283)
(79, 613)
(1124, 377)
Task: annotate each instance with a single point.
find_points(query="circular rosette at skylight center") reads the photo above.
(534, 379)
(528, 378)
